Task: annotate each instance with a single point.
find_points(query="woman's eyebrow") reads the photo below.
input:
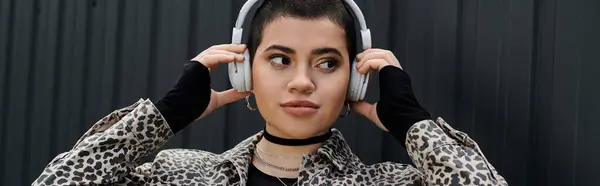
(327, 50)
(284, 49)
(318, 51)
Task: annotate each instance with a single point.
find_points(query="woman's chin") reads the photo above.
(301, 131)
(300, 127)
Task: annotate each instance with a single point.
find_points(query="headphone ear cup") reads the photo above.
(363, 84)
(247, 72)
(233, 72)
(354, 82)
(357, 88)
(239, 74)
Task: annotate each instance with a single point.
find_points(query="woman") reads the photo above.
(301, 53)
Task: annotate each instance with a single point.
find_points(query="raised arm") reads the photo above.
(444, 155)
(110, 152)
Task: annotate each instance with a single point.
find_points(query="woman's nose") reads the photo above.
(301, 82)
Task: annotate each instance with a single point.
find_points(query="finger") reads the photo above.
(368, 51)
(367, 56)
(384, 54)
(237, 48)
(220, 52)
(203, 54)
(373, 64)
(213, 59)
(376, 54)
(379, 50)
(228, 96)
(238, 57)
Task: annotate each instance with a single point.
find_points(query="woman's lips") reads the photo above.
(300, 111)
(300, 107)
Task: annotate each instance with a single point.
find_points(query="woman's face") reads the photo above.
(300, 76)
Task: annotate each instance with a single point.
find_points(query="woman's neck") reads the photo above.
(280, 155)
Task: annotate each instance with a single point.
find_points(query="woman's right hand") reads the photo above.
(211, 58)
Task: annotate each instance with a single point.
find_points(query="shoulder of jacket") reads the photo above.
(393, 169)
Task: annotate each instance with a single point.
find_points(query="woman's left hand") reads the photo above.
(373, 59)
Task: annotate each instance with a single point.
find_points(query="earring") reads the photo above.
(248, 102)
(347, 111)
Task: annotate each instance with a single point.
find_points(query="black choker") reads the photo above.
(296, 142)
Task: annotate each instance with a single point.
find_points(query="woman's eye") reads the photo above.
(279, 60)
(329, 64)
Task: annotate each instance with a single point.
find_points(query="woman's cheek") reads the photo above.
(333, 93)
(265, 86)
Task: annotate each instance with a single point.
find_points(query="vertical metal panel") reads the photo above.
(585, 167)
(6, 17)
(16, 88)
(515, 90)
(520, 77)
(37, 137)
(541, 120)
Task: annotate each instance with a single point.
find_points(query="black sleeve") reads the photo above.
(398, 109)
(188, 98)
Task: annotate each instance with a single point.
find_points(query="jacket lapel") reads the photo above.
(240, 157)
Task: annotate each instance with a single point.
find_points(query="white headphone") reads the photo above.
(240, 73)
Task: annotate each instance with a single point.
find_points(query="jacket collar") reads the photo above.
(334, 150)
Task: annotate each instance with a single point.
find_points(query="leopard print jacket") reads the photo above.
(110, 153)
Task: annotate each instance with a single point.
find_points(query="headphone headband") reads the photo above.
(365, 33)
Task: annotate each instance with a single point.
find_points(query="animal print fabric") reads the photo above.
(110, 153)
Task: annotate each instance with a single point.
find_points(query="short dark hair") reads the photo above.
(334, 10)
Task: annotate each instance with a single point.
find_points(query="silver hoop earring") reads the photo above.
(248, 102)
(347, 111)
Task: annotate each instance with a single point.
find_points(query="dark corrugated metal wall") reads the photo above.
(519, 76)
